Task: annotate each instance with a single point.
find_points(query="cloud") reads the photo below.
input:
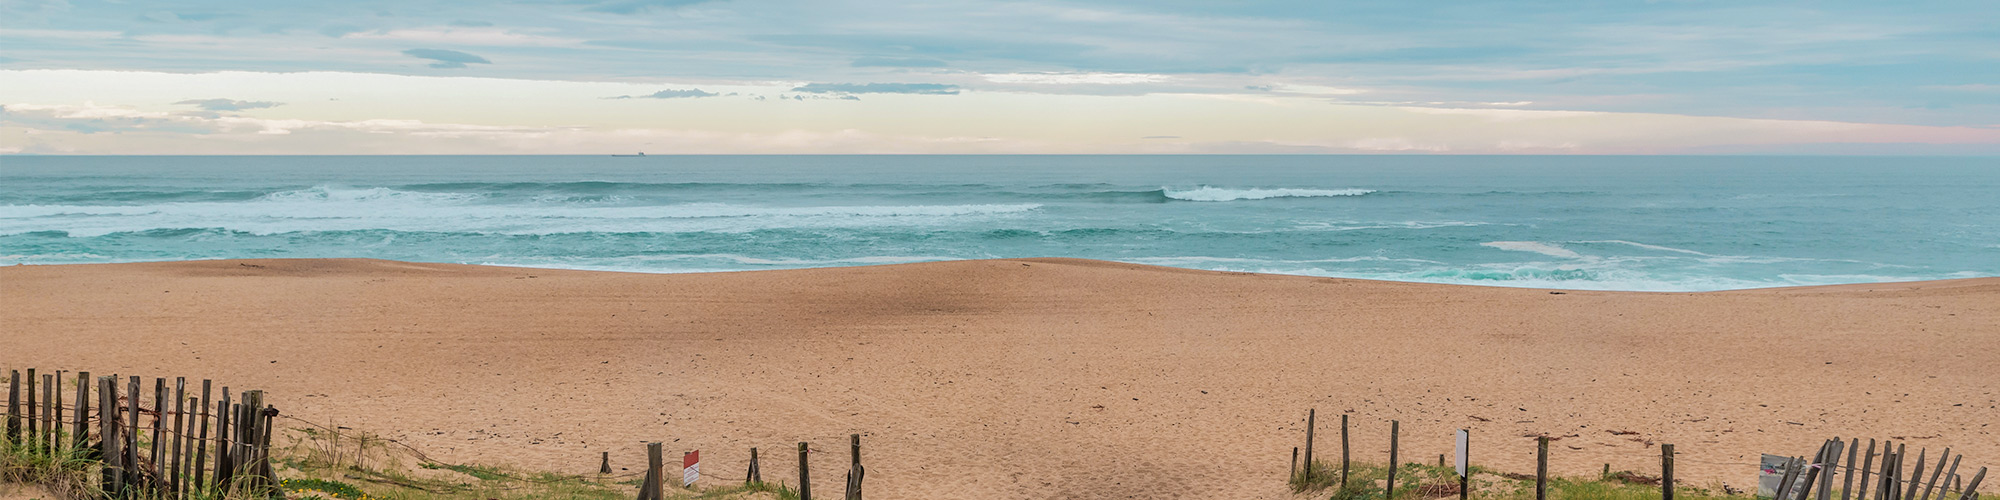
(446, 59)
(629, 7)
(879, 88)
(1075, 78)
(670, 94)
(897, 62)
(229, 104)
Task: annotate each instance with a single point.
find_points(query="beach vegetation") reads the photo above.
(1426, 482)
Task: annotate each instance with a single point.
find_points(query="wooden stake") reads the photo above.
(805, 476)
(14, 406)
(131, 434)
(1867, 468)
(750, 476)
(650, 490)
(1847, 480)
(1828, 467)
(1395, 428)
(1916, 476)
(34, 429)
(1971, 490)
(201, 444)
(107, 432)
(180, 433)
(1666, 472)
(1343, 451)
(1310, 414)
(1542, 468)
(1934, 475)
(1295, 464)
(1787, 480)
(48, 410)
(82, 423)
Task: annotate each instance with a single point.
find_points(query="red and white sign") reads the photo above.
(690, 468)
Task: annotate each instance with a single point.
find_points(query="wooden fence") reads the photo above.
(180, 445)
(652, 487)
(1802, 479)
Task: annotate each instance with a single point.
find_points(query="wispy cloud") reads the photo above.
(670, 94)
(229, 104)
(446, 59)
(879, 88)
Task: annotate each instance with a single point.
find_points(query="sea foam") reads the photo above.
(1212, 193)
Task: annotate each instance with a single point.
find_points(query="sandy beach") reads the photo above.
(1037, 378)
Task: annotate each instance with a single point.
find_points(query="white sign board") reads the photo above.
(1464, 442)
(690, 468)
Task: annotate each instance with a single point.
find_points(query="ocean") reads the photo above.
(1659, 223)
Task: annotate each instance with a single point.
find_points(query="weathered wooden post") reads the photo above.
(1916, 476)
(131, 435)
(1311, 415)
(1395, 428)
(1847, 479)
(655, 464)
(1831, 466)
(201, 444)
(48, 437)
(604, 463)
(82, 422)
(225, 431)
(805, 476)
(1812, 472)
(1971, 490)
(108, 438)
(1542, 468)
(1343, 451)
(176, 462)
(1294, 471)
(1666, 472)
(33, 413)
(1867, 469)
(13, 406)
(752, 475)
(854, 470)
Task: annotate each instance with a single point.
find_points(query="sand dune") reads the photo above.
(1038, 378)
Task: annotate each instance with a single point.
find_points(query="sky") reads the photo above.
(1159, 76)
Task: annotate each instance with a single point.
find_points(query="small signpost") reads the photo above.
(1464, 448)
(690, 468)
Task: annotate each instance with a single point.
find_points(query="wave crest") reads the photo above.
(1212, 193)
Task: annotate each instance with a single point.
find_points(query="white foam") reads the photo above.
(1548, 249)
(1211, 193)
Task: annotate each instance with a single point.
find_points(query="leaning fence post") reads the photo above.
(1867, 469)
(1666, 472)
(750, 475)
(1971, 490)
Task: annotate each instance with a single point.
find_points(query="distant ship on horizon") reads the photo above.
(641, 153)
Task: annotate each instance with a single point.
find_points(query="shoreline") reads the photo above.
(1924, 283)
(1019, 378)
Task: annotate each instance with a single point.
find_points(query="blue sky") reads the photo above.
(1161, 76)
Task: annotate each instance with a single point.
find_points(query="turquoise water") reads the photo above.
(1619, 223)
